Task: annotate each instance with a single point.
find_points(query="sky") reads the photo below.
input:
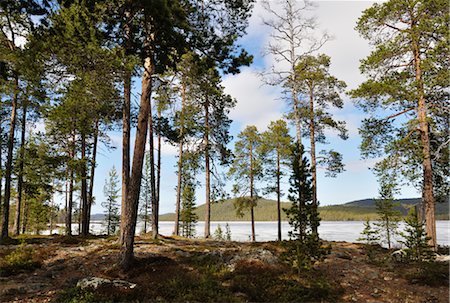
(258, 104)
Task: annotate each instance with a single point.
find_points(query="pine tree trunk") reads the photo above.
(207, 173)
(125, 144)
(158, 171)
(9, 159)
(278, 196)
(1, 162)
(427, 192)
(71, 181)
(84, 196)
(129, 215)
(180, 160)
(252, 215)
(152, 175)
(20, 174)
(312, 134)
(92, 174)
(26, 211)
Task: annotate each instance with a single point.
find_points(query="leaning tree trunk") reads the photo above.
(180, 160)
(20, 174)
(93, 165)
(84, 196)
(312, 134)
(207, 173)
(129, 216)
(8, 167)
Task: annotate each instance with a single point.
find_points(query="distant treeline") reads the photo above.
(266, 211)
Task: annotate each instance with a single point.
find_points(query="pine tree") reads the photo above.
(305, 246)
(369, 235)
(188, 217)
(388, 216)
(145, 195)
(406, 94)
(415, 238)
(276, 150)
(111, 192)
(246, 169)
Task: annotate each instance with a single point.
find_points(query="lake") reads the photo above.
(267, 231)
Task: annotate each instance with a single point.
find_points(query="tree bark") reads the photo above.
(8, 167)
(126, 121)
(252, 215)
(71, 180)
(158, 170)
(152, 175)
(427, 192)
(207, 173)
(125, 144)
(92, 174)
(20, 174)
(312, 134)
(180, 160)
(84, 196)
(129, 216)
(278, 196)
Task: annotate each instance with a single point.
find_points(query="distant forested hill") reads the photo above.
(266, 210)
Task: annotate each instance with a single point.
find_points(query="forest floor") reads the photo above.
(48, 269)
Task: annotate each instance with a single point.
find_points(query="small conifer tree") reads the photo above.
(388, 216)
(218, 233)
(111, 191)
(227, 232)
(305, 246)
(188, 217)
(369, 235)
(415, 238)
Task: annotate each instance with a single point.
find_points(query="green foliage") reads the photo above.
(111, 192)
(314, 83)
(218, 233)
(227, 232)
(305, 246)
(387, 223)
(22, 258)
(396, 80)
(370, 237)
(415, 238)
(188, 217)
(246, 169)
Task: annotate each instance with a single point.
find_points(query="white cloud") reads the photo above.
(257, 104)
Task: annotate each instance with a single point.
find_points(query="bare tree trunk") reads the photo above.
(428, 195)
(52, 203)
(125, 145)
(126, 123)
(278, 196)
(26, 210)
(180, 159)
(84, 196)
(252, 215)
(152, 175)
(312, 133)
(20, 174)
(129, 216)
(207, 173)
(1, 161)
(93, 166)
(8, 167)
(158, 170)
(70, 200)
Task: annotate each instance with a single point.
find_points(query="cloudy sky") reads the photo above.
(258, 104)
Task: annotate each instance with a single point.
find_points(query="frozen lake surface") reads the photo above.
(267, 231)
